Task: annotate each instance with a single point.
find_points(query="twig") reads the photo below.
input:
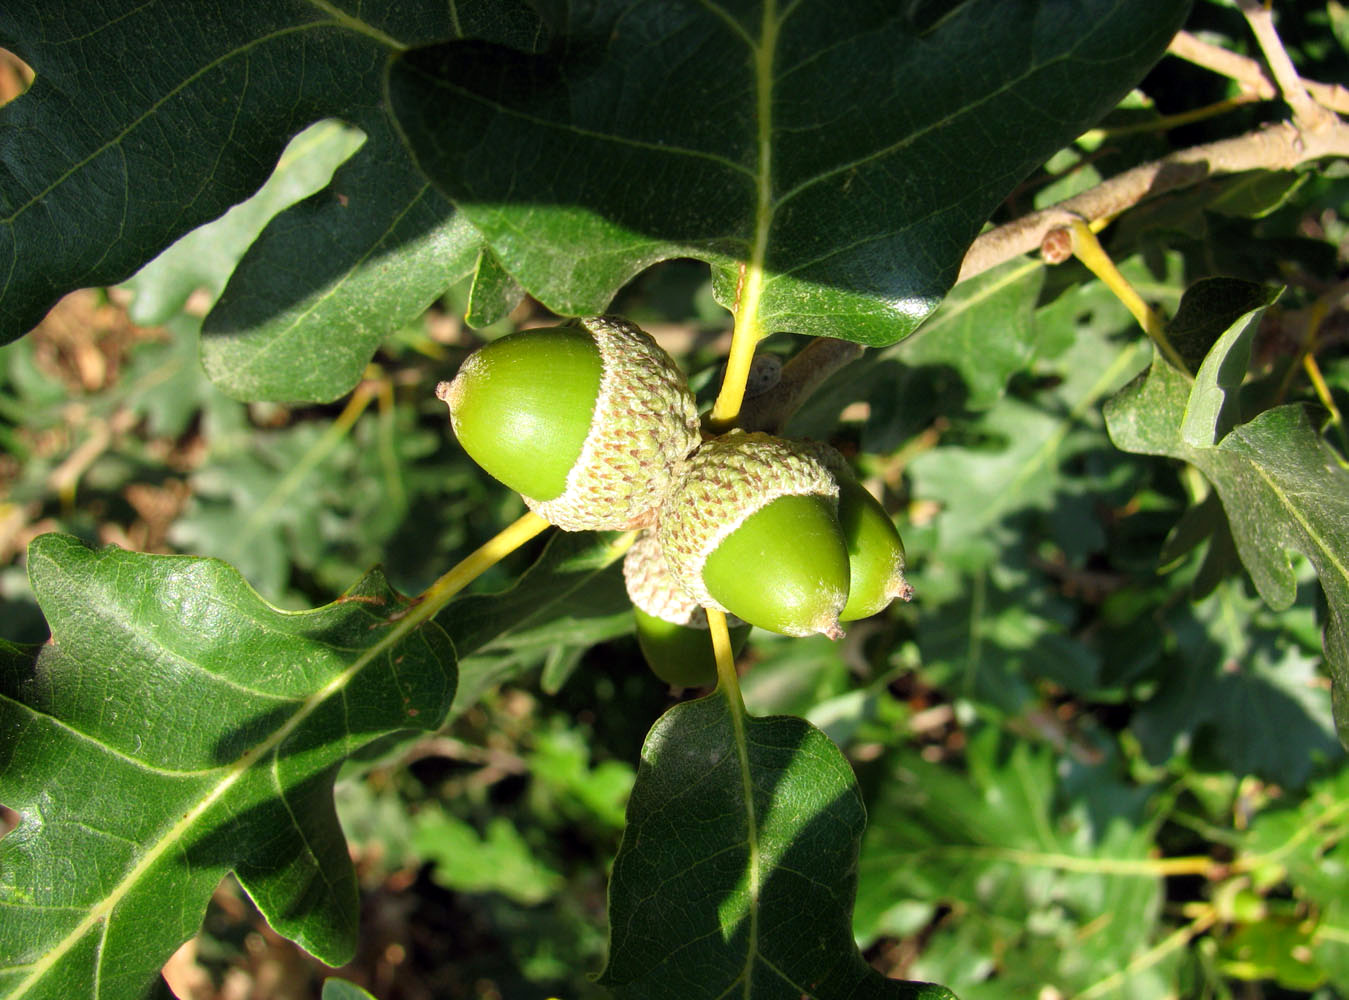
(800, 377)
(1087, 248)
(1281, 146)
(1249, 74)
(1307, 114)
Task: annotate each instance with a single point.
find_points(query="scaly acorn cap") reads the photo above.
(671, 628)
(591, 424)
(653, 590)
(876, 559)
(751, 529)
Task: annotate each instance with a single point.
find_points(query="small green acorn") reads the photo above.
(672, 630)
(752, 530)
(876, 559)
(591, 423)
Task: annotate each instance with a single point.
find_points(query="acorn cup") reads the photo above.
(876, 559)
(752, 530)
(672, 630)
(591, 424)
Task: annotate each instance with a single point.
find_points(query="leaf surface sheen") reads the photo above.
(203, 729)
(738, 867)
(831, 162)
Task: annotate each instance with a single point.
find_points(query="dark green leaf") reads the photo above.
(494, 293)
(204, 258)
(1209, 308)
(1214, 406)
(838, 151)
(984, 329)
(737, 870)
(1284, 489)
(112, 181)
(178, 728)
(93, 188)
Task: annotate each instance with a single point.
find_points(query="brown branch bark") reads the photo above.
(800, 377)
(1275, 147)
(1249, 73)
(1307, 113)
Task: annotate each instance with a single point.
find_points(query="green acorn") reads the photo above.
(752, 530)
(591, 424)
(876, 559)
(672, 630)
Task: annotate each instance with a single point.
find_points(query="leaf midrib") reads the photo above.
(338, 19)
(1321, 546)
(236, 771)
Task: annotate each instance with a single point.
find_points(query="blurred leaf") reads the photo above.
(1255, 194)
(1238, 693)
(192, 730)
(377, 825)
(737, 870)
(810, 141)
(984, 329)
(567, 786)
(204, 258)
(1307, 840)
(1048, 875)
(1282, 486)
(498, 860)
(993, 635)
(573, 596)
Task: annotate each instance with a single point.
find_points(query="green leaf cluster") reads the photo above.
(1101, 756)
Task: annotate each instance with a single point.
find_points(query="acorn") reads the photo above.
(752, 530)
(876, 559)
(672, 630)
(590, 423)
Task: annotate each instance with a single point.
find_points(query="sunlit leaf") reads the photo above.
(832, 163)
(176, 729)
(737, 870)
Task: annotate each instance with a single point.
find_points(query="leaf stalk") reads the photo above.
(506, 541)
(1087, 248)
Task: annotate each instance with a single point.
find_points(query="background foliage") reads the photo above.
(1096, 755)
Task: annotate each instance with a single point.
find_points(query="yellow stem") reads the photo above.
(721, 646)
(1172, 121)
(1327, 400)
(748, 332)
(506, 541)
(1087, 248)
(1316, 313)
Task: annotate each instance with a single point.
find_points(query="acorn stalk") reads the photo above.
(672, 630)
